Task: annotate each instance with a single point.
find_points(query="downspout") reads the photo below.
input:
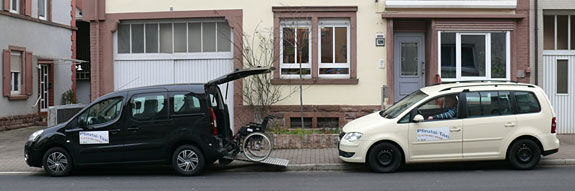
(97, 63)
(536, 42)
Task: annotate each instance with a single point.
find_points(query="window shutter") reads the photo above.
(49, 8)
(28, 70)
(28, 7)
(6, 5)
(6, 73)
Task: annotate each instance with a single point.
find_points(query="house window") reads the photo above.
(43, 9)
(474, 56)
(562, 76)
(16, 72)
(174, 37)
(15, 6)
(559, 32)
(295, 50)
(334, 49)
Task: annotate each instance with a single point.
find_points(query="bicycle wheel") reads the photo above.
(257, 146)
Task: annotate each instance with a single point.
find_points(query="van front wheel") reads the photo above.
(384, 157)
(524, 154)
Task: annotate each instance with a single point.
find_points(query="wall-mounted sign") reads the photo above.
(380, 40)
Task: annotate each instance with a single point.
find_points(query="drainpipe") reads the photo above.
(536, 43)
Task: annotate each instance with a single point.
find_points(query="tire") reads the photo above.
(188, 160)
(384, 157)
(524, 154)
(257, 146)
(57, 162)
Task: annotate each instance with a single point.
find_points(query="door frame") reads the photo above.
(397, 60)
(50, 101)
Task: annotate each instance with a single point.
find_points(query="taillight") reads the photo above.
(213, 123)
(553, 125)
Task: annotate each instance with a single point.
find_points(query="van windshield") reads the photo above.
(403, 104)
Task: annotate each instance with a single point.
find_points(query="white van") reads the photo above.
(463, 121)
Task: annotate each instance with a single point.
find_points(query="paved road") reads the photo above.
(422, 177)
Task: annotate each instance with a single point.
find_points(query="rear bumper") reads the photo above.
(548, 152)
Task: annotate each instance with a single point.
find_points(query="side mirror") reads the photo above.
(81, 122)
(418, 118)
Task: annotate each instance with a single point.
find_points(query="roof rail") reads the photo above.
(475, 81)
(517, 84)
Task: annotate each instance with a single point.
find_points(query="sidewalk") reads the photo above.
(12, 148)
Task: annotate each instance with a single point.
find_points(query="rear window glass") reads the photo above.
(527, 102)
(185, 103)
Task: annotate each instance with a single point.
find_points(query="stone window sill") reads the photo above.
(315, 81)
(17, 97)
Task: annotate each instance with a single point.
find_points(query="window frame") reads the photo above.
(45, 17)
(557, 76)
(18, 92)
(459, 114)
(512, 100)
(296, 24)
(488, 64)
(100, 125)
(17, 10)
(333, 23)
(146, 94)
(172, 113)
(517, 104)
(173, 55)
(570, 31)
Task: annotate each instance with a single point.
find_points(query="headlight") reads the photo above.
(353, 136)
(35, 135)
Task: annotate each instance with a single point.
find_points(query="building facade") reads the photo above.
(353, 56)
(555, 54)
(37, 58)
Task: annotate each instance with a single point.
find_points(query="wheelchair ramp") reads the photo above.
(269, 160)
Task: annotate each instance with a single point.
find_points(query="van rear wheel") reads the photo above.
(188, 160)
(524, 154)
(384, 157)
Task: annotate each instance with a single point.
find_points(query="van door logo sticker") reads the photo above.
(433, 134)
(94, 137)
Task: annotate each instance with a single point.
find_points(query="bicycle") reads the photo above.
(252, 141)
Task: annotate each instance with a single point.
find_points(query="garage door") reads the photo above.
(173, 51)
(559, 85)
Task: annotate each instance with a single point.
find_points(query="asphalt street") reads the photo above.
(457, 176)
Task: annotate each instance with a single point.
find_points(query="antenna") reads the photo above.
(129, 83)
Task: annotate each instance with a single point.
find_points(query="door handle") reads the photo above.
(509, 124)
(114, 131)
(455, 129)
(133, 129)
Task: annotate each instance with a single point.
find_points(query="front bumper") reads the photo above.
(32, 156)
(353, 152)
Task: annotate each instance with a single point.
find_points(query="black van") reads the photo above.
(184, 124)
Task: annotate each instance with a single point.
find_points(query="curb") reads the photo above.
(557, 162)
(360, 166)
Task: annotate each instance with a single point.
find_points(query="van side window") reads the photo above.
(185, 103)
(147, 107)
(441, 108)
(527, 102)
(102, 112)
(488, 103)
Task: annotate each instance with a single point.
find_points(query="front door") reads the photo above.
(439, 136)
(96, 135)
(408, 64)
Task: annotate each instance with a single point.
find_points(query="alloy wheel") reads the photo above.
(57, 162)
(187, 160)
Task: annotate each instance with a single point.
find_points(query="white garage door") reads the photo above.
(173, 51)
